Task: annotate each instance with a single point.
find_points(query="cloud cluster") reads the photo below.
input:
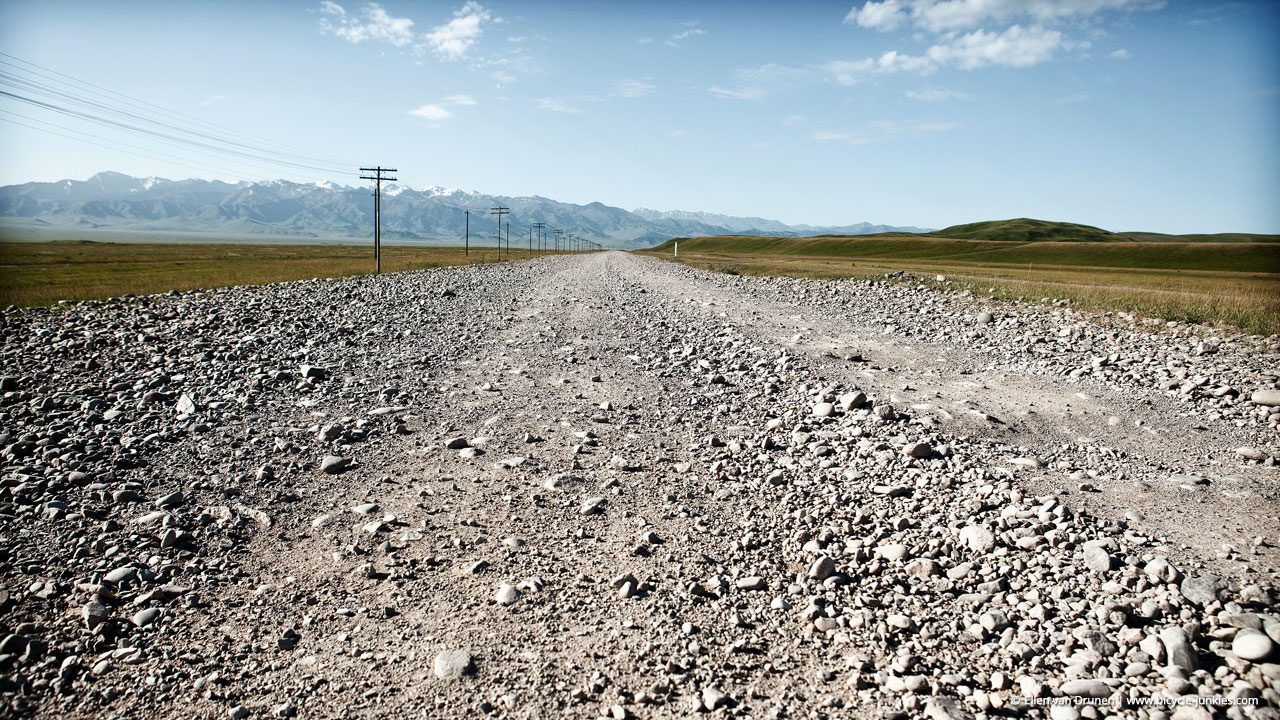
(450, 41)
(691, 30)
(436, 112)
(1015, 47)
(373, 23)
(942, 16)
(961, 40)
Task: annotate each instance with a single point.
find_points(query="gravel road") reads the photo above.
(612, 486)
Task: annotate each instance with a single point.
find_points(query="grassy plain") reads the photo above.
(1235, 283)
(42, 273)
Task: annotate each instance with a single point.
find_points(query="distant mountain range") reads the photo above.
(114, 201)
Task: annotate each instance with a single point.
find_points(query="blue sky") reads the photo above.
(1128, 114)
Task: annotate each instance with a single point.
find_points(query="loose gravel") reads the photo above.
(610, 486)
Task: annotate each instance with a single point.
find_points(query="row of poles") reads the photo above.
(561, 241)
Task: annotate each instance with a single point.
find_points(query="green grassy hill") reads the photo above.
(1028, 230)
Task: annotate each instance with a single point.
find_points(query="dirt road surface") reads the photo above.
(612, 486)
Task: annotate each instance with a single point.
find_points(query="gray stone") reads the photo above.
(1088, 688)
(918, 450)
(592, 506)
(143, 618)
(507, 594)
(451, 664)
(1178, 650)
(333, 464)
(714, 698)
(822, 568)
(1252, 645)
(978, 539)
(824, 409)
(1160, 570)
(1200, 589)
(1270, 398)
(1097, 557)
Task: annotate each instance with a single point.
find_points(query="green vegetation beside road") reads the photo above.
(42, 273)
(1235, 283)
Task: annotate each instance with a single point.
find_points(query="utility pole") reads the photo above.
(499, 211)
(559, 236)
(540, 225)
(377, 179)
(508, 239)
(467, 246)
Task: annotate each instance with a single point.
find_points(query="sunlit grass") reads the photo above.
(1249, 301)
(43, 273)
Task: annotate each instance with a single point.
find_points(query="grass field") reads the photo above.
(1232, 283)
(42, 273)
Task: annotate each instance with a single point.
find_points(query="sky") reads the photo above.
(1126, 114)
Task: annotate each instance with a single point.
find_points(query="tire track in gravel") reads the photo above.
(1036, 415)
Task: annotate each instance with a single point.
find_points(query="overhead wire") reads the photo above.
(109, 94)
(69, 102)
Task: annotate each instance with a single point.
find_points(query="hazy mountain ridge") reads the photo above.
(111, 200)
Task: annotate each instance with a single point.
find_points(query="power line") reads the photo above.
(377, 177)
(114, 96)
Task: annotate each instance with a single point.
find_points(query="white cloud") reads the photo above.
(937, 95)
(452, 40)
(737, 93)
(942, 16)
(887, 15)
(554, 105)
(1015, 47)
(894, 61)
(374, 24)
(1121, 54)
(691, 30)
(434, 113)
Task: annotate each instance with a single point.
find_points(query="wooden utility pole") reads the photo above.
(466, 248)
(377, 177)
(541, 246)
(499, 211)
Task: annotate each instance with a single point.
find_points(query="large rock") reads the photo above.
(451, 664)
(1178, 650)
(978, 539)
(1252, 645)
(1270, 398)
